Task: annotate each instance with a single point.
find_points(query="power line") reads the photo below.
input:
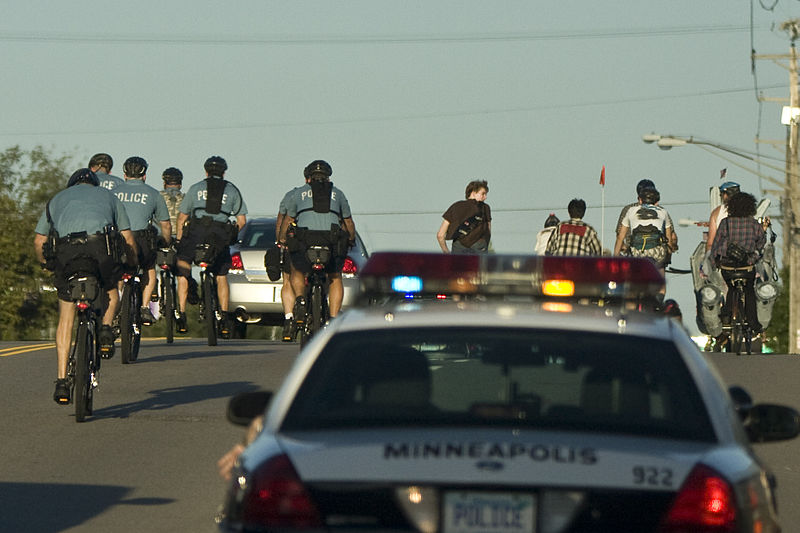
(394, 118)
(45, 37)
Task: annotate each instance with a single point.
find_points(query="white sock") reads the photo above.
(289, 316)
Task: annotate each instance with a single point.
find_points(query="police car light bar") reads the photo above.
(419, 274)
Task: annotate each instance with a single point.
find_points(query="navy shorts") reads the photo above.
(91, 256)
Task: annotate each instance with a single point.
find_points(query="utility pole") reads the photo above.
(790, 201)
(792, 184)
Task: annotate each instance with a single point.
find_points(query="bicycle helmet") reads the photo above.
(729, 187)
(135, 167)
(644, 184)
(215, 166)
(101, 160)
(318, 167)
(172, 176)
(649, 195)
(83, 175)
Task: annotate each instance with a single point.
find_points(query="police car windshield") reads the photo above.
(544, 379)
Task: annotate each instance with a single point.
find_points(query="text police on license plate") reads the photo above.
(489, 512)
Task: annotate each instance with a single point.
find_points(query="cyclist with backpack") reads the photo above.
(173, 196)
(468, 223)
(650, 229)
(737, 245)
(82, 221)
(322, 215)
(205, 218)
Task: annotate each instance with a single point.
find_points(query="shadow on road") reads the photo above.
(188, 353)
(166, 398)
(58, 507)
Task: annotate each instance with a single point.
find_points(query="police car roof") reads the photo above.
(505, 314)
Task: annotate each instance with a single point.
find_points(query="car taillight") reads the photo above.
(350, 266)
(277, 498)
(236, 262)
(704, 504)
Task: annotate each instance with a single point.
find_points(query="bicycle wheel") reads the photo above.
(168, 304)
(209, 302)
(316, 308)
(130, 324)
(83, 385)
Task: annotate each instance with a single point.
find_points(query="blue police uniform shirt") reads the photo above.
(300, 206)
(194, 202)
(83, 207)
(142, 202)
(109, 181)
(285, 201)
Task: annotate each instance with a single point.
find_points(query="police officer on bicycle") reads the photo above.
(81, 222)
(143, 204)
(322, 214)
(204, 218)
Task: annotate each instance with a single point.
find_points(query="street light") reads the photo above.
(667, 142)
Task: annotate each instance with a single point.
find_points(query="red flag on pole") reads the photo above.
(603, 176)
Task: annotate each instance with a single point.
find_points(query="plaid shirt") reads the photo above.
(747, 232)
(573, 237)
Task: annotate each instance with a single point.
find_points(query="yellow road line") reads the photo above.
(16, 350)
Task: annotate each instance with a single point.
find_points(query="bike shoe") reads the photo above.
(226, 325)
(180, 323)
(106, 341)
(61, 394)
(288, 330)
(193, 298)
(300, 310)
(147, 316)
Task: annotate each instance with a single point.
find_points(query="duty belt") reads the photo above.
(80, 238)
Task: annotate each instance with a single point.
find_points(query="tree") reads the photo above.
(777, 333)
(28, 179)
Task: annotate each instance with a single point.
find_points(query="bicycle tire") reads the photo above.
(82, 384)
(168, 305)
(130, 324)
(209, 302)
(316, 308)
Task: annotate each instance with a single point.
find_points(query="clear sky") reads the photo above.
(409, 100)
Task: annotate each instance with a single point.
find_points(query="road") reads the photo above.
(146, 460)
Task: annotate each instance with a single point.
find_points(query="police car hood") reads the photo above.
(501, 457)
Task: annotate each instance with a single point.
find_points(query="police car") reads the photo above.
(501, 394)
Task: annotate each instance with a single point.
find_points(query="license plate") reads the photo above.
(489, 512)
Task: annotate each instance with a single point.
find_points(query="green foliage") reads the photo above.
(778, 331)
(28, 179)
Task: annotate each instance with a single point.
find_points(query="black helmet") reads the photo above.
(729, 187)
(649, 195)
(552, 220)
(645, 184)
(83, 175)
(135, 167)
(318, 167)
(215, 166)
(172, 176)
(101, 160)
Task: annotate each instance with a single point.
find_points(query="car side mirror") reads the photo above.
(742, 401)
(244, 407)
(770, 423)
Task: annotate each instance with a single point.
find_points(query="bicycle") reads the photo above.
(312, 312)
(209, 301)
(740, 338)
(167, 292)
(84, 361)
(130, 316)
